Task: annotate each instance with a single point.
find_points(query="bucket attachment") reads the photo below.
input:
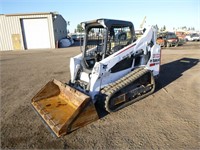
(64, 108)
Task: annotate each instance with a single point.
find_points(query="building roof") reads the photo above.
(34, 13)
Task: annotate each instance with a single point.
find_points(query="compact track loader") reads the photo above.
(114, 69)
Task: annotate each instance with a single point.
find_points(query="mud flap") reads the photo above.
(63, 108)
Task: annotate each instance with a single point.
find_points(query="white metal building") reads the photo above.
(31, 31)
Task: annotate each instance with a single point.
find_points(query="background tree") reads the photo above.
(79, 28)
(92, 30)
(184, 28)
(164, 28)
(157, 27)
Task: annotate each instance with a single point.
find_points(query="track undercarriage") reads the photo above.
(129, 89)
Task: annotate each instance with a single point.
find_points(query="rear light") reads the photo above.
(152, 64)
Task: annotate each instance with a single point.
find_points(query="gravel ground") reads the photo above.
(167, 119)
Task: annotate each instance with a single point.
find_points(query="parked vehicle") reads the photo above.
(181, 35)
(192, 37)
(196, 37)
(188, 37)
(77, 36)
(168, 39)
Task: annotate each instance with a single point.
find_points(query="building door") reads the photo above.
(35, 33)
(16, 40)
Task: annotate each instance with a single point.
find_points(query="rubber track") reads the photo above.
(116, 86)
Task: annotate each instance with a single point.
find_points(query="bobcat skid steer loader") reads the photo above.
(114, 68)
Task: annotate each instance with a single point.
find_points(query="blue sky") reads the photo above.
(171, 13)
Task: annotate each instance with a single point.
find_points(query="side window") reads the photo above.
(95, 37)
(118, 38)
(94, 44)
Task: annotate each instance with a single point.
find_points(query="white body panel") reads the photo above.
(84, 77)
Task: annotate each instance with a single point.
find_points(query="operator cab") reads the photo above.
(103, 37)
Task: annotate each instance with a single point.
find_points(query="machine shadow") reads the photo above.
(169, 72)
(173, 70)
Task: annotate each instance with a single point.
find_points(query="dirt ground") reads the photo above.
(167, 119)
